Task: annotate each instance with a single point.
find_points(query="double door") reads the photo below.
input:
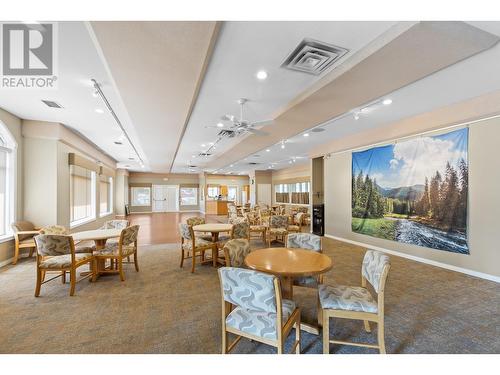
(165, 198)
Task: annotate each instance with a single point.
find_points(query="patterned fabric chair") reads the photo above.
(115, 224)
(235, 252)
(60, 230)
(232, 210)
(196, 220)
(310, 242)
(277, 230)
(116, 252)
(192, 246)
(241, 230)
(255, 225)
(24, 231)
(297, 222)
(252, 307)
(56, 253)
(351, 302)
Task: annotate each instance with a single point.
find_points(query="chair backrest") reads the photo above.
(278, 221)
(374, 269)
(248, 289)
(235, 252)
(55, 229)
(299, 218)
(186, 231)
(241, 230)
(251, 217)
(54, 244)
(192, 221)
(129, 235)
(116, 224)
(236, 219)
(304, 241)
(232, 209)
(22, 226)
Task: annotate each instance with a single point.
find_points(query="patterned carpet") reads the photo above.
(165, 309)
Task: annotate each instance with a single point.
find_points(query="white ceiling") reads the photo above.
(242, 49)
(475, 76)
(79, 62)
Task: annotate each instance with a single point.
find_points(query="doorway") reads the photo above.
(165, 198)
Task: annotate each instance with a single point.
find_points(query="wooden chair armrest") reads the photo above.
(27, 232)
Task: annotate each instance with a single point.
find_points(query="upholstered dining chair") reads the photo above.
(256, 226)
(352, 302)
(24, 231)
(252, 307)
(241, 230)
(116, 224)
(277, 230)
(197, 220)
(297, 222)
(55, 229)
(235, 252)
(116, 252)
(192, 246)
(306, 241)
(56, 253)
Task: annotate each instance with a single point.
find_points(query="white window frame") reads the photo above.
(110, 198)
(132, 198)
(93, 202)
(195, 196)
(9, 146)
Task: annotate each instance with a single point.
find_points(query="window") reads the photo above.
(213, 191)
(141, 196)
(189, 196)
(7, 181)
(295, 193)
(232, 193)
(82, 195)
(105, 195)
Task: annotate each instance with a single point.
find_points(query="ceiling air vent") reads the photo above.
(204, 154)
(51, 104)
(192, 166)
(252, 163)
(313, 57)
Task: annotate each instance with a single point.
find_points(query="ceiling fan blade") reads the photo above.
(256, 132)
(262, 123)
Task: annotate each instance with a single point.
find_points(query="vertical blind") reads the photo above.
(81, 193)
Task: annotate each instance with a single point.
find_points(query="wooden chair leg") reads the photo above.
(31, 252)
(193, 258)
(94, 270)
(381, 338)
(72, 280)
(136, 262)
(280, 347)
(43, 276)
(367, 326)
(297, 336)
(182, 258)
(224, 341)
(38, 281)
(16, 255)
(63, 277)
(326, 333)
(120, 268)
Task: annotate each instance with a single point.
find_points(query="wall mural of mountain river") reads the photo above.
(414, 191)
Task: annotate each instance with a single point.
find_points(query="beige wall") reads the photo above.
(484, 205)
(13, 123)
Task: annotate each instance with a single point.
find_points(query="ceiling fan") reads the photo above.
(241, 126)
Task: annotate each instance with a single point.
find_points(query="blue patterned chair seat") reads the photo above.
(259, 323)
(350, 298)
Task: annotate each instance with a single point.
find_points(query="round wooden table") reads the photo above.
(287, 264)
(215, 229)
(99, 236)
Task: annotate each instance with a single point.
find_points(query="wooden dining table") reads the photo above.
(215, 229)
(287, 264)
(99, 236)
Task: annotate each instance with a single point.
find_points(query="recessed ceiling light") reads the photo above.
(211, 143)
(99, 110)
(203, 145)
(261, 75)
(220, 125)
(268, 150)
(306, 134)
(387, 101)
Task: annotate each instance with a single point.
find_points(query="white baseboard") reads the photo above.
(421, 260)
